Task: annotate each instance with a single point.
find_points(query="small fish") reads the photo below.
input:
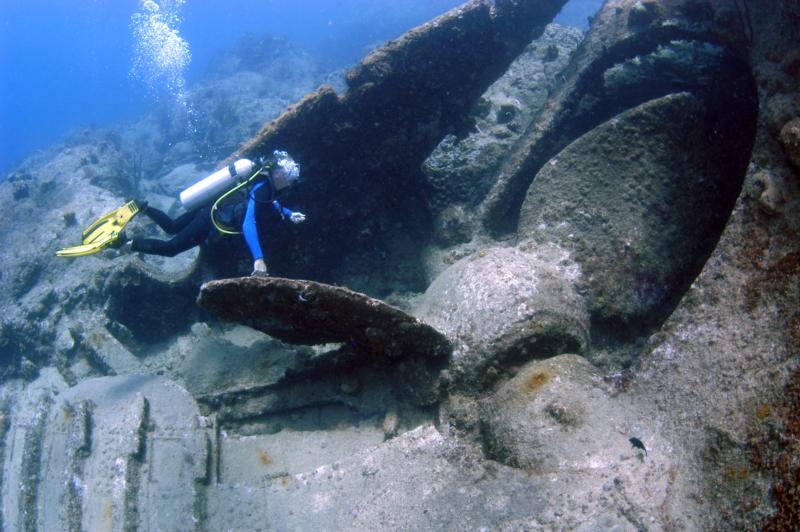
(636, 442)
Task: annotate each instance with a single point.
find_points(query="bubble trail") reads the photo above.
(160, 55)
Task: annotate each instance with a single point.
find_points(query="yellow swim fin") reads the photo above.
(103, 232)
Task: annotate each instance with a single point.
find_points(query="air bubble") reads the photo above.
(160, 55)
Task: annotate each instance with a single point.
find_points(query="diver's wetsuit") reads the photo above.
(193, 228)
(190, 229)
(261, 194)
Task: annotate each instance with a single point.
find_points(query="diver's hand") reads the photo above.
(259, 269)
(297, 217)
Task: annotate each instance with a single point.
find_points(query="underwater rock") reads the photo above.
(310, 313)
(640, 201)
(503, 306)
(178, 178)
(643, 14)
(38, 292)
(452, 226)
(135, 303)
(555, 414)
(774, 192)
(790, 138)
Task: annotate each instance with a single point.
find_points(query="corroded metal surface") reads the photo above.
(306, 312)
(361, 151)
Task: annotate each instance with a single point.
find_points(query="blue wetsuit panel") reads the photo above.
(249, 227)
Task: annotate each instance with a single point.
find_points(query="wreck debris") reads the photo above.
(640, 202)
(502, 307)
(311, 313)
(402, 100)
(588, 96)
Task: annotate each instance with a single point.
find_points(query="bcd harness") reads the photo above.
(262, 171)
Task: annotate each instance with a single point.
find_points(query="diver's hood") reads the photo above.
(286, 172)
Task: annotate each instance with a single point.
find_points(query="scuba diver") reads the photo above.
(211, 205)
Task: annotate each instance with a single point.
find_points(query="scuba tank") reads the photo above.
(217, 183)
(240, 174)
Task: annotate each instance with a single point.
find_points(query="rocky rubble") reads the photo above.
(628, 276)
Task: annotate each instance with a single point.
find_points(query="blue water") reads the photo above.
(67, 63)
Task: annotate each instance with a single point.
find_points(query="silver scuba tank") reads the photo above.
(216, 184)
